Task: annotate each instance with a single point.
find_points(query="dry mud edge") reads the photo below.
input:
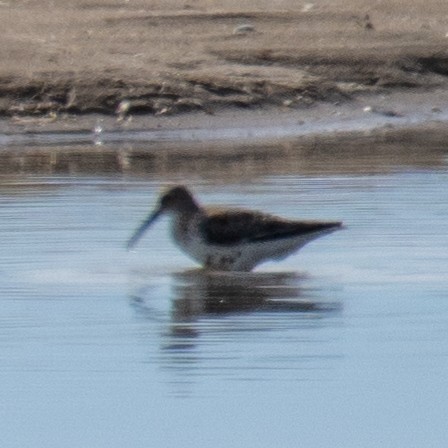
(327, 78)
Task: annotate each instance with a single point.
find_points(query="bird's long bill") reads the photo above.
(143, 227)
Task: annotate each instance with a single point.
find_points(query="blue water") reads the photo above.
(344, 344)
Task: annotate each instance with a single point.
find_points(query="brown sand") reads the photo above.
(162, 57)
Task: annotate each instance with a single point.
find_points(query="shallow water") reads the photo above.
(344, 344)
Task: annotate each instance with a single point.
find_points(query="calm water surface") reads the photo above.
(344, 344)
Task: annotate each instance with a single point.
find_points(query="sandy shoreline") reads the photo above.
(147, 58)
(383, 131)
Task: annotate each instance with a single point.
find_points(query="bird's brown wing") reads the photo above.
(234, 227)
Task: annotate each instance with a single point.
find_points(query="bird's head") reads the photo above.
(176, 200)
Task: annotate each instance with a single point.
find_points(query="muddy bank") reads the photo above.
(163, 58)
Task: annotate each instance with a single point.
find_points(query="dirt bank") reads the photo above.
(165, 57)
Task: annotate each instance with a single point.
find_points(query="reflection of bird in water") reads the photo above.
(221, 325)
(205, 294)
(231, 239)
(200, 297)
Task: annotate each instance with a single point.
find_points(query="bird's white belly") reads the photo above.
(212, 256)
(238, 257)
(223, 258)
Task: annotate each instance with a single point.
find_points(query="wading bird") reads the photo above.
(230, 239)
